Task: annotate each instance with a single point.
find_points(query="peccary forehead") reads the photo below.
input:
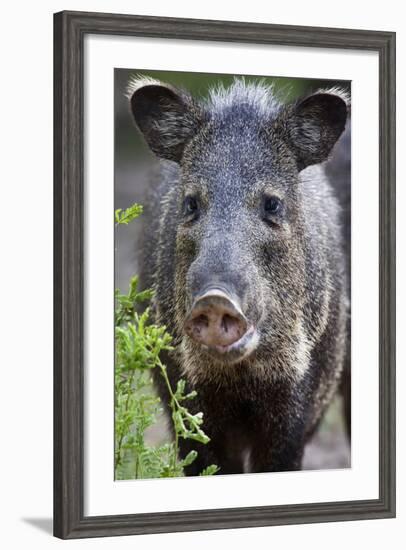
(239, 155)
(237, 145)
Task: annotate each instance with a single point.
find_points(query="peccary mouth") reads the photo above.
(239, 350)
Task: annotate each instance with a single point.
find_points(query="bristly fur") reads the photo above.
(138, 81)
(340, 92)
(289, 272)
(258, 95)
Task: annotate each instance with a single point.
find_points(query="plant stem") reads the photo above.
(174, 402)
(120, 442)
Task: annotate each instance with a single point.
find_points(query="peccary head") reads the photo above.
(241, 236)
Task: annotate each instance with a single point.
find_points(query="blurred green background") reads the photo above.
(329, 447)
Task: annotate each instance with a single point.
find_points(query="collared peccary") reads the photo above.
(243, 246)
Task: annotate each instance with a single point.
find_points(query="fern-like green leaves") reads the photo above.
(139, 344)
(124, 217)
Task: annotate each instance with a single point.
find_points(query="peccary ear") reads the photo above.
(314, 124)
(168, 118)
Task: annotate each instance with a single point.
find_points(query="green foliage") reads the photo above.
(125, 303)
(210, 470)
(124, 217)
(139, 344)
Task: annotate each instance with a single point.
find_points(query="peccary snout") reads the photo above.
(216, 320)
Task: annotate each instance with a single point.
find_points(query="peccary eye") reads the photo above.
(272, 205)
(190, 207)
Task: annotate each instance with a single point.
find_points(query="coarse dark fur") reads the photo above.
(287, 268)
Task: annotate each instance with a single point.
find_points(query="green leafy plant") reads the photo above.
(124, 217)
(139, 343)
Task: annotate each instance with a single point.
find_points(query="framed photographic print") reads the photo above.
(224, 275)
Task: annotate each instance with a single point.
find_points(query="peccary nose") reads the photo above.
(216, 320)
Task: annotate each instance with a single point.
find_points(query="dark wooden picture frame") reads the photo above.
(69, 31)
